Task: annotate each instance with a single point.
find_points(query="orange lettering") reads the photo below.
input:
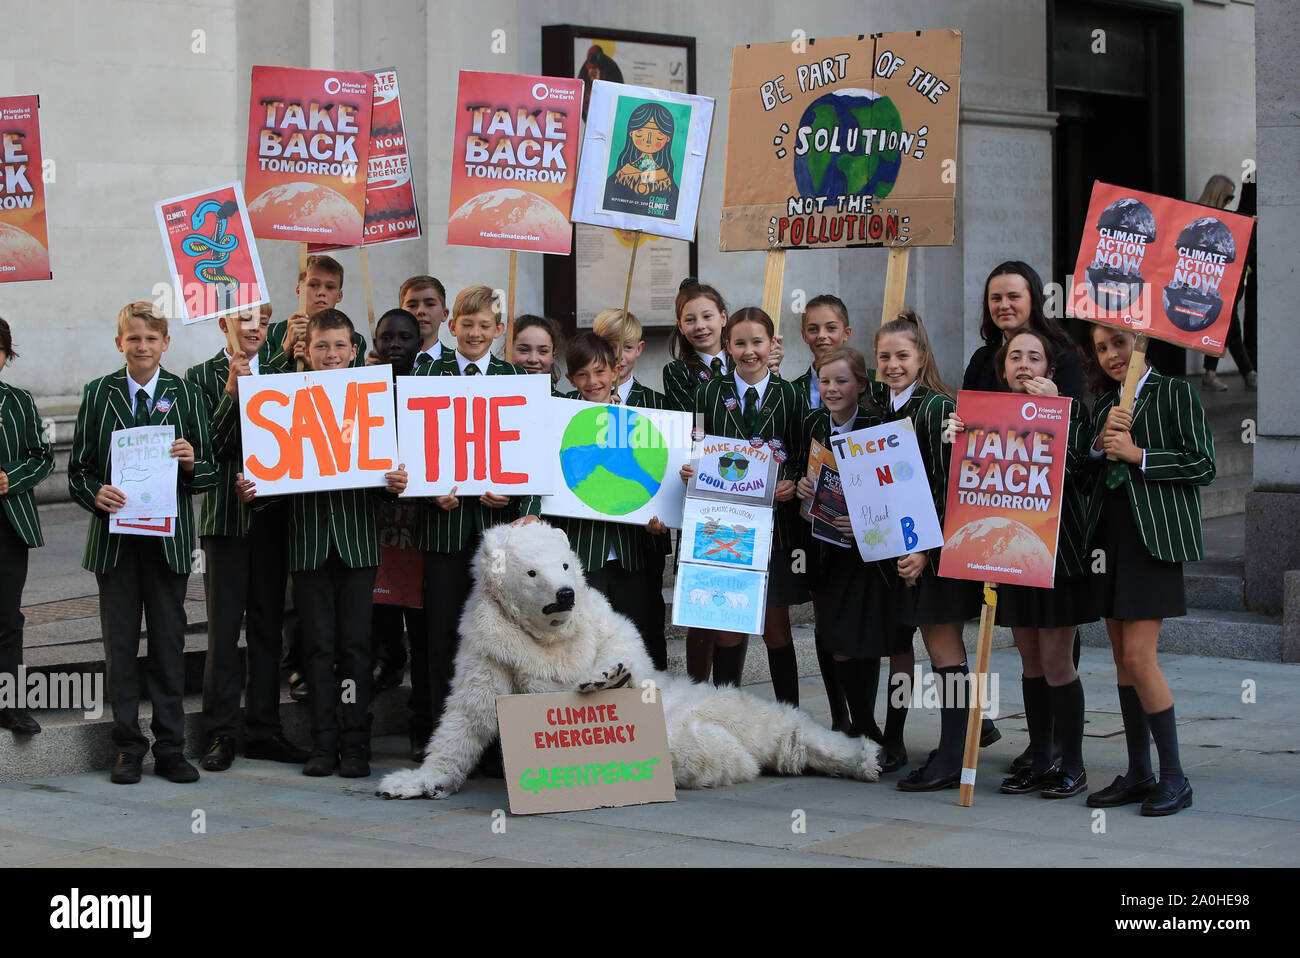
(307, 426)
(358, 410)
(287, 460)
(325, 413)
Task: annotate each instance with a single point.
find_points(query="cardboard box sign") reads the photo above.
(564, 750)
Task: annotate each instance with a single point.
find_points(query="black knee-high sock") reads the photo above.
(836, 697)
(859, 680)
(785, 674)
(727, 664)
(954, 696)
(1038, 716)
(1165, 732)
(896, 703)
(1137, 734)
(1067, 720)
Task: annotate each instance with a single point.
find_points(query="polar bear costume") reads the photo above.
(531, 624)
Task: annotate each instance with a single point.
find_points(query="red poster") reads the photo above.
(210, 250)
(514, 162)
(1004, 488)
(1160, 266)
(400, 579)
(308, 140)
(24, 239)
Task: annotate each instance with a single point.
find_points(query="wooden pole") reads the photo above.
(631, 267)
(302, 290)
(895, 283)
(773, 286)
(370, 297)
(510, 308)
(1137, 364)
(974, 719)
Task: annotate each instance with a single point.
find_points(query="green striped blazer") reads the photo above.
(106, 406)
(1072, 539)
(450, 530)
(276, 332)
(803, 385)
(1169, 422)
(680, 384)
(780, 416)
(340, 521)
(26, 458)
(644, 397)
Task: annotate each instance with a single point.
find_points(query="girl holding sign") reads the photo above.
(753, 405)
(909, 385)
(1146, 513)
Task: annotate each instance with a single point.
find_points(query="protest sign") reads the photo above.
(643, 158)
(843, 141)
(828, 500)
(308, 146)
(143, 526)
(732, 468)
(315, 431)
(708, 596)
(400, 578)
(568, 750)
(211, 254)
(142, 466)
(476, 434)
(733, 534)
(885, 487)
(618, 463)
(1155, 265)
(24, 238)
(514, 162)
(1004, 488)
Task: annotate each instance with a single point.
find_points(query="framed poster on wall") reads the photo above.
(578, 287)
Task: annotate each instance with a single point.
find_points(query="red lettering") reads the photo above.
(500, 436)
(288, 448)
(467, 435)
(538, 740)
(883, 476)
(430, 406)
(782, 225)
(796, 232)
(613, 712)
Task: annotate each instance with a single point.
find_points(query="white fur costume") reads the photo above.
(520, 634)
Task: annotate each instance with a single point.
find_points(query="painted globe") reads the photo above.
(843, 158)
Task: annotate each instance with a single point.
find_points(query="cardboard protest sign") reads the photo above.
(733, 534)
(885, 486)
(24, 238)
(1004, 488)
(314, 431)
(708, 596)
(1155, 265)
(476, 434)
(308, 146)
(142, 466)
(643, 158)
(733, 469)
(568, 750)
(618, 463)
(211, 254)
(514, 162)
(842, 141)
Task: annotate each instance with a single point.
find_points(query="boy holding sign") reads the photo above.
(322, 282)
(333, 556)
(139, 574)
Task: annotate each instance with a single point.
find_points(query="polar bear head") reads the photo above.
(533, 577)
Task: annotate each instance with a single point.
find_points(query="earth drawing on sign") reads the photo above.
(613, 459)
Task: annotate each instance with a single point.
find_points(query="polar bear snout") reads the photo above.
(564, 599)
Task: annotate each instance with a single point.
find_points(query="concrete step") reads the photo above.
(1213, 632)
(1215, 584)
(1225, 497)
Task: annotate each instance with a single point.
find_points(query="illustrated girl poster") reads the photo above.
(643, 157)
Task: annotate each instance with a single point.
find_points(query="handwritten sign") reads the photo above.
(733, 469)
(1004, 488)
(313, 431)
(732, 534)
(708, 596)
(144, 469)
(885, 487)
(477, 434)
(565, 750)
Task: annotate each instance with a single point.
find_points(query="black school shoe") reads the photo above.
(1025, 781)
(277, 748)
(126, 769)
(174, 768)
(220, 754)
(1025, 759)
(1167, 798)
(1120, 792)
(1062, 785)
(925, 780)
(19, 722)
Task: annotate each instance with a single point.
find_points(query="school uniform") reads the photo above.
(982, 373)
(141, 573)
(430, 355)
(276, 332)
(682, 379)
(245, 571)
(807, 388)
(450, 537)
(780, 417)
(26, 458)
(1147, 518)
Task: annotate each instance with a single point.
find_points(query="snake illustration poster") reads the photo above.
(210, 250)
(308, 154)
(24, 238)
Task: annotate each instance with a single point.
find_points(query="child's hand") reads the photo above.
(1041, 386)
(238, 367)
(109, 499)
(449, 501)
(952, 428)
(526, 520)
(843, 525)
(776, 354)
(1120, 445)
(396, 480)
(655, 527)
(183, 453)
(494, 501)
(296, 331)
(372, 358)
(300, 352)
(244, 488)
(1118, 420)
(785, 490)
(911, 566)
(687, 472)
(4, 482)
(805, 489)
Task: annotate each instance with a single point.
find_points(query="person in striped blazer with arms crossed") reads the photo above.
(141, 574)
(25, 459)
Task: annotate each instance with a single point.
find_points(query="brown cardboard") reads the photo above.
(557, 759)
(773, 84)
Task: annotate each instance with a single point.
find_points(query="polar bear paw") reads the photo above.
(615, 677)
(410, 783)
(868, 767)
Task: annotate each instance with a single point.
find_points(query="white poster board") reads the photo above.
(734, 469)
(732, 534)
(706, 596)
(142, 466)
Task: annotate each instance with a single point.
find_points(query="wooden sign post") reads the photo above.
(302, 291)
(895, 283)
(370, 299)
(510, 307)
(1137, 363)
(970, 760)
(627, 294)
(773, 284)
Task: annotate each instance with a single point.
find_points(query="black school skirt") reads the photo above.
(934, 599)
(1135, 584)
(786, 587)
(855, 606)
(1071, 601)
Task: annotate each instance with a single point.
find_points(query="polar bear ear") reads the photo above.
(496, 562)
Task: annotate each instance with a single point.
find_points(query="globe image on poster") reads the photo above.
(844, 156)
(733, 466)
(613, 459)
